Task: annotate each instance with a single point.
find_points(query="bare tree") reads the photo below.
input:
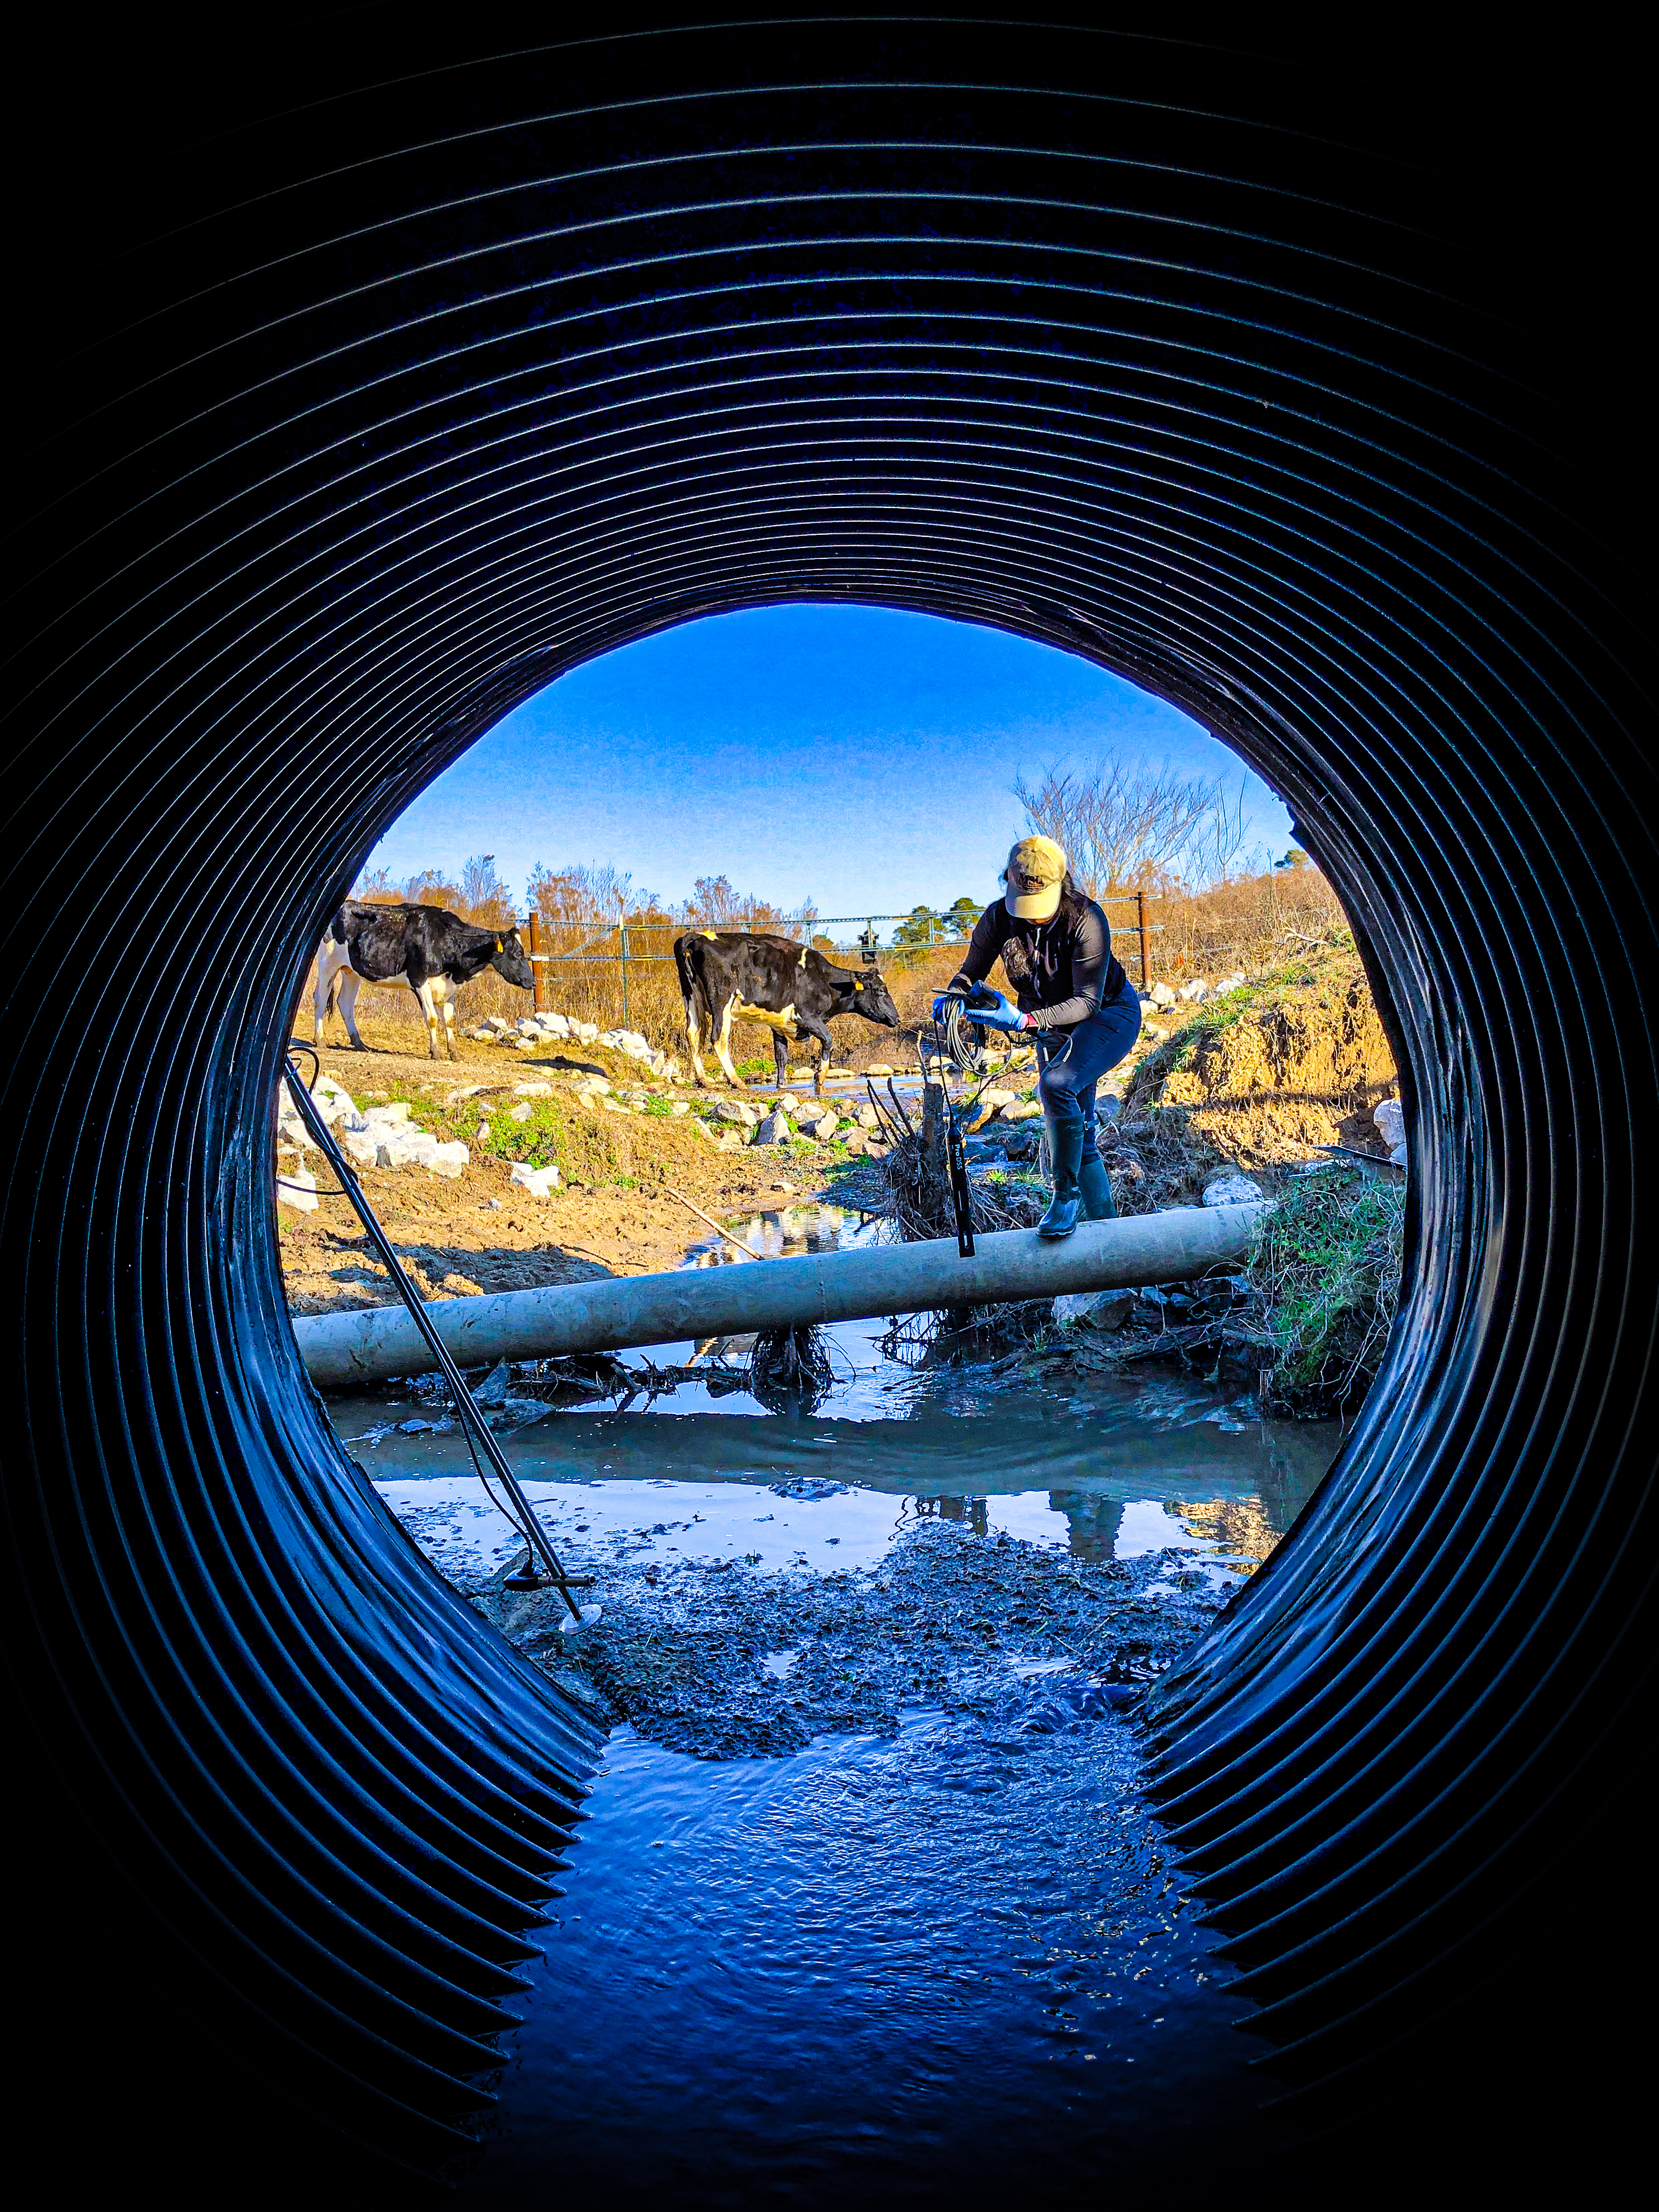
(432, 887)
(1124, 824)
(714, 905)
(483, 894)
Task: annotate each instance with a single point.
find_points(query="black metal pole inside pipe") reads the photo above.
(531, 1530)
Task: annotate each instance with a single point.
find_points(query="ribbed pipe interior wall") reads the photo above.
(367, 393)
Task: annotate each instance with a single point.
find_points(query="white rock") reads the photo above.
(538, 1182)
(774, 1130)
(497, 1022)
(1232, 1190)
(532, 1091)
(856, 1142)
(522, 1113)
(297, 1187)
(788, 1104)
(527, 1025)
(879, 1067)
(1398, 1155)
(866, 1116)
(527, 1043)
(1389, 1118)
(994, 1097)
(614, 1106)
(1022, 1109)
(1162, 995)
(1093, 1309)
(292, 1131)
(358, 1147)
(378, 1117)
(596, 1084)
(1194, 991)
(493, 1390)
(450, 1161)
(588, 1031)
(332, 1099)
(678, 1106)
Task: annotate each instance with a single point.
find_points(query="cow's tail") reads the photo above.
(697, 1009)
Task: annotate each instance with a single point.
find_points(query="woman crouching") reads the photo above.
(1056, 950)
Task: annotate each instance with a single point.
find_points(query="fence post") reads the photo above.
(538, 971)
(624, 972)
(1145, 942)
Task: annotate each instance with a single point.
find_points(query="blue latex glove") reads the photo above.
(1004, 1015)
(943, 1004)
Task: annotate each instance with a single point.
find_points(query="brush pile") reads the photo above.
(916, 1178)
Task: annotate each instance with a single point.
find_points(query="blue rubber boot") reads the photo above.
(1065, 1150)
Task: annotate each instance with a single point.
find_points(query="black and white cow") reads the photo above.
(433, 950)
(728, 975)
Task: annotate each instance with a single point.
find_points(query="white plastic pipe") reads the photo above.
(876, 1279)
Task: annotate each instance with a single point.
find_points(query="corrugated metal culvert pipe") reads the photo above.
(366, 380)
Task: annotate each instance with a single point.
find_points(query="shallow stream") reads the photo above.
(932, 1945)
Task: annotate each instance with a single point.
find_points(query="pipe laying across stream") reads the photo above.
(610, 1315)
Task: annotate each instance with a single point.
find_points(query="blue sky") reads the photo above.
(853, 755)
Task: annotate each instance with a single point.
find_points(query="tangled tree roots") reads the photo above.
(788, 1369)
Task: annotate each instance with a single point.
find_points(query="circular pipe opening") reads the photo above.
(500, 366)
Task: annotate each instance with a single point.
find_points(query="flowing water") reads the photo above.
(950, 1957)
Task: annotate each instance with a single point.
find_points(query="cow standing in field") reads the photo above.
(727, 975)
(435, 950)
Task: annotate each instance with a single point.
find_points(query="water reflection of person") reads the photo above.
(970, 1512)
(1072, 993)
(1091, 1522)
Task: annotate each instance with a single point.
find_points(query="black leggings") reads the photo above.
(1073, 1061)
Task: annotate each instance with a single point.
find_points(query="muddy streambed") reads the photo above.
(867, 1893)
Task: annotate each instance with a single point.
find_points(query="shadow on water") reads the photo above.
(940, 1964)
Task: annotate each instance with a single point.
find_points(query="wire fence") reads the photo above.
(621, 974)
(562, 958)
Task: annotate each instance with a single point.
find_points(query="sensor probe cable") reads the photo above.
(474, 1426)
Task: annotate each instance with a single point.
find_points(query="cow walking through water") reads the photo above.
(729, 974)
(433, 950)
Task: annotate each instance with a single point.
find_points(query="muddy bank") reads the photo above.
(481, 1233)
(721, 1661)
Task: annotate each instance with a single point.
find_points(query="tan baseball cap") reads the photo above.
(1035, 876)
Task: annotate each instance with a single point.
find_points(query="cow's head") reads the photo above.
(870, 1000)
(510, 960)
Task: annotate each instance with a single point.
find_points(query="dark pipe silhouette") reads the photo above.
(365, 380)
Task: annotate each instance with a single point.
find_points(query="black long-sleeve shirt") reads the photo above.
(1061, 971)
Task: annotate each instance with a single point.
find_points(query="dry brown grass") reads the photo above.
(1253, 922)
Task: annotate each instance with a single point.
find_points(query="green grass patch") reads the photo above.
(1327, 1262)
